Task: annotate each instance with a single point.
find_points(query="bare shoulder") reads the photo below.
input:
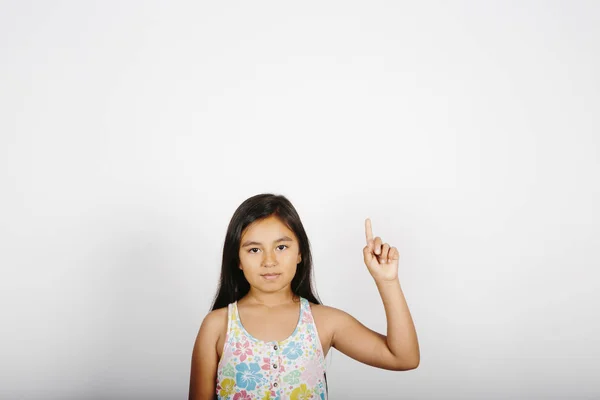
(327, 311)
(332, 319)
(214, 322)
(211, 334)
(327, 316)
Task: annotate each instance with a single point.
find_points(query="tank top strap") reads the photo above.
(233, 313)
(236, 323)
(310, 327)
(230, 317)
(230, 324)
(306, 316)
(235, 329)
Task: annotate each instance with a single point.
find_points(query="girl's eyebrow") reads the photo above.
(281, 239)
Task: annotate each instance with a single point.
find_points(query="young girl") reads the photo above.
(267, 335)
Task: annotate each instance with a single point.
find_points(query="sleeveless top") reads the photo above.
(291, 369)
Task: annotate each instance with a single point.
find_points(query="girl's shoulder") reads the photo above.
(326, 314)
(215, 322)
(322, 308)
(328, 320)
(218, 313)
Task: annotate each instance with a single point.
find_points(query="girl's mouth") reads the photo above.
(270, 276)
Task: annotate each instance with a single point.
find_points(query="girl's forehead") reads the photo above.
(268, 226)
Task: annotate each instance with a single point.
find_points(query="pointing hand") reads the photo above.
(380, 258)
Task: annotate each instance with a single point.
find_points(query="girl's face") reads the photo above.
(269, 254)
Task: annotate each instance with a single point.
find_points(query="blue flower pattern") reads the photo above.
(293, 350)
(248, 375)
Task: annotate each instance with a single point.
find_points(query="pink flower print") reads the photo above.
(243, 395)
(243, 350)
(312, 372)
(228, 352)
(266, 364)
(307, 318)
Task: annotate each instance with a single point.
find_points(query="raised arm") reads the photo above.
(399, 350)
(205, 357)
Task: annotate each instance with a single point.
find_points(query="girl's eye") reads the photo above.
(255, 248)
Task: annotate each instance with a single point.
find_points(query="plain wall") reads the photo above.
(467, 131)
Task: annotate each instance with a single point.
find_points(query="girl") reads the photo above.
(267, 335)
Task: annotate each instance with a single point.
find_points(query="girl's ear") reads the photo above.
(299, 258)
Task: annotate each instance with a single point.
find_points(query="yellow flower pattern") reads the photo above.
(227, 386)
(267, 396)
(301, 393)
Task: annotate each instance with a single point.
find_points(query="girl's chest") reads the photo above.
(273, 327)
(270, 326)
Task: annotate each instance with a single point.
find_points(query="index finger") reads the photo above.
(368, 230)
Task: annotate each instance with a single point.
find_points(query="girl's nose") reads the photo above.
(270, 260)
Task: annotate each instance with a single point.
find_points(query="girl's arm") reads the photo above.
(205, 358)
(399, 350)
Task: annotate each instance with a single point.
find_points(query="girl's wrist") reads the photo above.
(387, 284)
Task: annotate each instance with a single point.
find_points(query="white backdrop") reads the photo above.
(467, 131)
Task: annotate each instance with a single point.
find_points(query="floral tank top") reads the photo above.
(252, 369)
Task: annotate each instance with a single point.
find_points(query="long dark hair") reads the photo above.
(232, 284)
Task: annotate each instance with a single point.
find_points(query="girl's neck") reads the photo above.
(270, 299)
